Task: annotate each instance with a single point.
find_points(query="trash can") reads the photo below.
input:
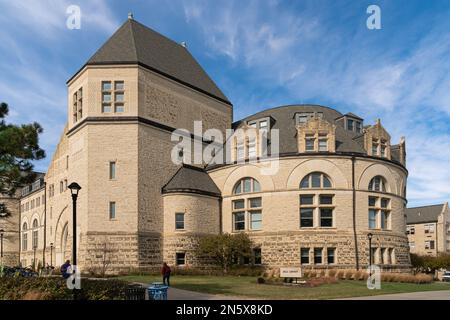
(135, 292)
(157, 291)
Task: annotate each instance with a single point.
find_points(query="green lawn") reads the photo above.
(247, 287)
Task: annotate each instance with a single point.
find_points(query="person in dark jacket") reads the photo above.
(165, 271)
(65, 269)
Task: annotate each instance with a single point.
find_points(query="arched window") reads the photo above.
(25, 236)
(246, 185)
(35, 233)
(377, 183)
(315, 180)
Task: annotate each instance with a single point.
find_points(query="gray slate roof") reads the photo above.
(423, 214)
(135, 43)
(192, 180)
(284, 120)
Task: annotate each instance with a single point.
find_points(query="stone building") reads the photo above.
(338, 179)
(428, 229)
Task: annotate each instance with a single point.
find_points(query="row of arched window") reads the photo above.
(35, 235)
(313, 180)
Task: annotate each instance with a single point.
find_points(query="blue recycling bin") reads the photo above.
(157, 291)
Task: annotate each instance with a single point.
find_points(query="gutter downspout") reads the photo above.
(354, 213)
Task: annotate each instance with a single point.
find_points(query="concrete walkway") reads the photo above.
(425, 295)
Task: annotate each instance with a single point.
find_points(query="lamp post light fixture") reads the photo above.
(74, 189)
(369, 236)
(51, 254)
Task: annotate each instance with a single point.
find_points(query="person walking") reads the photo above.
(165, 271)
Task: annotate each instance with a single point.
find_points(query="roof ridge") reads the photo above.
(133, 39)
(430, 205)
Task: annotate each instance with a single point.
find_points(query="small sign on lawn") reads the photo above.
(290, 272)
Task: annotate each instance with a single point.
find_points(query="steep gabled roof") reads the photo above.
(423, 214)
(191, 179)
(134, 43)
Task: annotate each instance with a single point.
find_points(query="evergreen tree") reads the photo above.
(19, 146)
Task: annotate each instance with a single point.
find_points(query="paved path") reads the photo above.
(425, 295)
(179, 294)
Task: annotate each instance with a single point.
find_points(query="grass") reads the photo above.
(246, 287)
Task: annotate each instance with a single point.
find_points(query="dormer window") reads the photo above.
(303, 117)
(350, 124)
(261, 124)
(358, 127)
(323, 142)
(309, 142)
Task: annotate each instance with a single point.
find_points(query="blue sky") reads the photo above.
(261, 54)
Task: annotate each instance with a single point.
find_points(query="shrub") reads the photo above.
(332, 273)
(322, 273)
(307, 273)
(18, 288)
(349, 274)
(340, 274)
(313, 274)
(357, 275)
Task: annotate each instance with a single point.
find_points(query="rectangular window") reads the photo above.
(384, 219)
(238, 204)
(358, 127)
(239, 221)
(374, 148)
(263, 125)
(112, 210)
(331, 255)
(306, 217)
(106, 86)
(372, 201)
(304, 255)
(255, 220)
(309, 145)
(112, 170)
(412, 230)
(315, 180)
(383, 150)
(303, 117)
(257, 256)
(119, 107)
(119, 85)
(429, 228)
(106, 107)
(252, 148)
(119, 97)
(326, 199)
(306, 199)
(323, 145)
(106, 97)
(179, 221)
(326, 217)
(318, 255)
(180, 258)
(372, 219)
(350, 124)
(240, 152)
(255, 202)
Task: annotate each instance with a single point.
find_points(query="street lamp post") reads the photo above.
(34, 258)
(1, 246)
(51, 254)
(74, 189)
(369, 236)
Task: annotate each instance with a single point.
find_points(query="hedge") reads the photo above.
(46, 288)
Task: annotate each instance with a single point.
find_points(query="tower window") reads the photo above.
(112, 210)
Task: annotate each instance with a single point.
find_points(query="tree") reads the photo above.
(224, 249)
(19, 146)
